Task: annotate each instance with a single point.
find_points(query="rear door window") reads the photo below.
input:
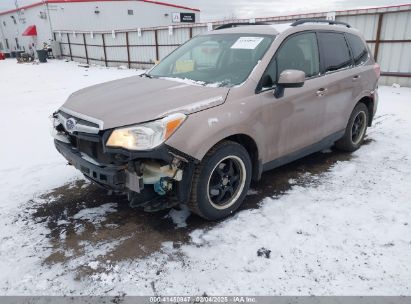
(358, 48)
(335, 54)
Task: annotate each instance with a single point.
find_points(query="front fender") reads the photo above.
(202, 130)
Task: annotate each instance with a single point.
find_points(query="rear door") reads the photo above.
(341, 84)
(295, 120)
(364, 63)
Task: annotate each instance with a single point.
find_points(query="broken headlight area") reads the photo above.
(152, 179)
(145, 136)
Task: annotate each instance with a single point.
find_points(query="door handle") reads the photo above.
(321, 92)
(356, 77)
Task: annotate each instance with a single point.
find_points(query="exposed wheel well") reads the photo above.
(249, 144)
(368, 101)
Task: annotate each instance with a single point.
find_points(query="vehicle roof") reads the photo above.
(248, 29)
(278, 28)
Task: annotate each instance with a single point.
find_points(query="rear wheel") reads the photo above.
(355, 130)
(221, 181)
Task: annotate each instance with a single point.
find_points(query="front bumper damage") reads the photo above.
(142, 175)
(108, 177)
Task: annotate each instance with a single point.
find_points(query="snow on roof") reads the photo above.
(79, 1)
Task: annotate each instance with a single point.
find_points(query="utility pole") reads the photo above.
(17, 24)
(21, 19)
(49, 18)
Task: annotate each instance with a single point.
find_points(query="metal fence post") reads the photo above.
(68, 40)
(378, 37)
(61, 50)
(128, 51)
(156, 42)
(104, 49)
(85, 47)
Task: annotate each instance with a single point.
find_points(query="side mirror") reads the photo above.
(289, 79)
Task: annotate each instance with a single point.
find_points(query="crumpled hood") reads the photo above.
(138, 99)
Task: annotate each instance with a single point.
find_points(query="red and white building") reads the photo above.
(36, 23)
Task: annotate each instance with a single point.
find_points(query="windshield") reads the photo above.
(223, 59)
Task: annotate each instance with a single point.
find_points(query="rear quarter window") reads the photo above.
(335, 54)
(359, 49)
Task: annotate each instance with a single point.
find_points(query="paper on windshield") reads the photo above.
(247, 43)
(184, 66)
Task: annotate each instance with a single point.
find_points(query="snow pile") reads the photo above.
(179, 217)
(95, 215)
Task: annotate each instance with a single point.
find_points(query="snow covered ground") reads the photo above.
(345, 231)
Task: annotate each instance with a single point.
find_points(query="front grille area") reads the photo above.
(79, 120)
(92, 149)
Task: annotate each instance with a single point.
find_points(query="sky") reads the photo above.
(232, 9)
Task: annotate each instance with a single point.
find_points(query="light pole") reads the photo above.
(49, 18)
(17, 22)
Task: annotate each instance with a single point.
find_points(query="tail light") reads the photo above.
(377, 70)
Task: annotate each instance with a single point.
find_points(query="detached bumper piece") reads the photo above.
(108, 177)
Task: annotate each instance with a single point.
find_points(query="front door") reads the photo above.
(295, 120)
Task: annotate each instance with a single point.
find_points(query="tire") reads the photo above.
(355, 130)
(221, 181)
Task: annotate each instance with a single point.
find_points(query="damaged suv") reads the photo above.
(220, 110)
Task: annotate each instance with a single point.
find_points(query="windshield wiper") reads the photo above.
(146, 75)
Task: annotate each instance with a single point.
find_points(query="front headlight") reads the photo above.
(147, 135)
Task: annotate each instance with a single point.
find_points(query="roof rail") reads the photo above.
(308, 20)
(236, 24)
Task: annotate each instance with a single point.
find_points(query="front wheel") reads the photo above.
(221, 181)
(355, 130)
